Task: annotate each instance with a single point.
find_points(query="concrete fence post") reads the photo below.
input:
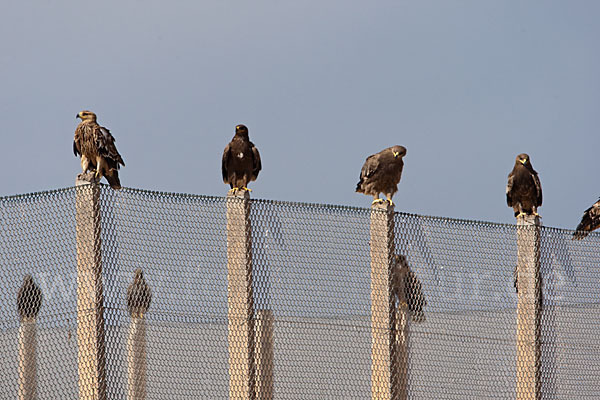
(136, 359)
(29, 302)
(529, 287)
(264, 355)
(388, 324)
(139, 297)
(90, 299)
(240, 311)
(400, 323)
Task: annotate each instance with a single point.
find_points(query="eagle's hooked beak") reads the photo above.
(396, 154)
(523, 161)
(77, 116)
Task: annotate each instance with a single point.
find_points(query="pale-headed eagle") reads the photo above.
(139, 295)
(523, 190)
(29, 299)
(97, 148)
(589, 222)
(407, 288)
(381, 173)
(241, 160)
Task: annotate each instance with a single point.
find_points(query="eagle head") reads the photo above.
(86, 115)
(522, 158)
(241, 130)
(399, 151)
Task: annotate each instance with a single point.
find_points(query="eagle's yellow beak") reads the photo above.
(396, 154)
(524, 161)
(77, 116)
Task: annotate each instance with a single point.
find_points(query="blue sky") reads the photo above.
(464, 85)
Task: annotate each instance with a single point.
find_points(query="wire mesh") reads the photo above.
(305, 327)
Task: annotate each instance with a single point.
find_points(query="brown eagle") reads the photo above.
(29, 299)
(523, 190)
(406, 287)
(381, 173)
(97, 148)
(241, 161)
(139, 295)
(589, 222)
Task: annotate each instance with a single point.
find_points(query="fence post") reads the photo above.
(400, 322)
(529, 288)
(29, 301)
(138, 301)
(264, 355)
(90, 298)
(240, 310)
(388, 372)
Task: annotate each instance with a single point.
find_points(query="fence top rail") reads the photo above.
(299, 204)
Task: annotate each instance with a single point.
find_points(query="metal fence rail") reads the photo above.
(261, 299)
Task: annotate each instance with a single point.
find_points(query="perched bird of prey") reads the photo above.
(29, 299)
(97, 148)
(406, 287)
(381, 173)
(241, 160)
(589, 222)
(523, 190)
(139, 295)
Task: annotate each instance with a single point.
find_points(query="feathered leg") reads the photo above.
(85, 163)
(388, 196)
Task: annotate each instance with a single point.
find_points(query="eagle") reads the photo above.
(29, 299)
(97, 148)
(406, 288)
(381, 173)
(523, 190)
(589, 222)
(139, 295)
(241, 161)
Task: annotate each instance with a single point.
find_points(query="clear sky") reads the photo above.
(464, 85)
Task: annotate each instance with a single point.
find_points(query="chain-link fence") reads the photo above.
(147, 295)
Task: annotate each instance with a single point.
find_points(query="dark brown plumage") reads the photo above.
(406, 287)
(97, 148)
(29, 299)
(139, 295)
(381, 173)
(589, 222)
(523, 190)
(241, 160)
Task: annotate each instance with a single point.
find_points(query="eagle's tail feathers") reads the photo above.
(113, 179)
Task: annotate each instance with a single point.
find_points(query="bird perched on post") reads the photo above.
(589, 222)
(381, 173)
(29, 299)
(523, 190)
(407, 288)
(97, 148)
(241, 161)
(139, 295)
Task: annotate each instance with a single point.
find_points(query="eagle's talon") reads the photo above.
(245, 189)
(391, 202)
